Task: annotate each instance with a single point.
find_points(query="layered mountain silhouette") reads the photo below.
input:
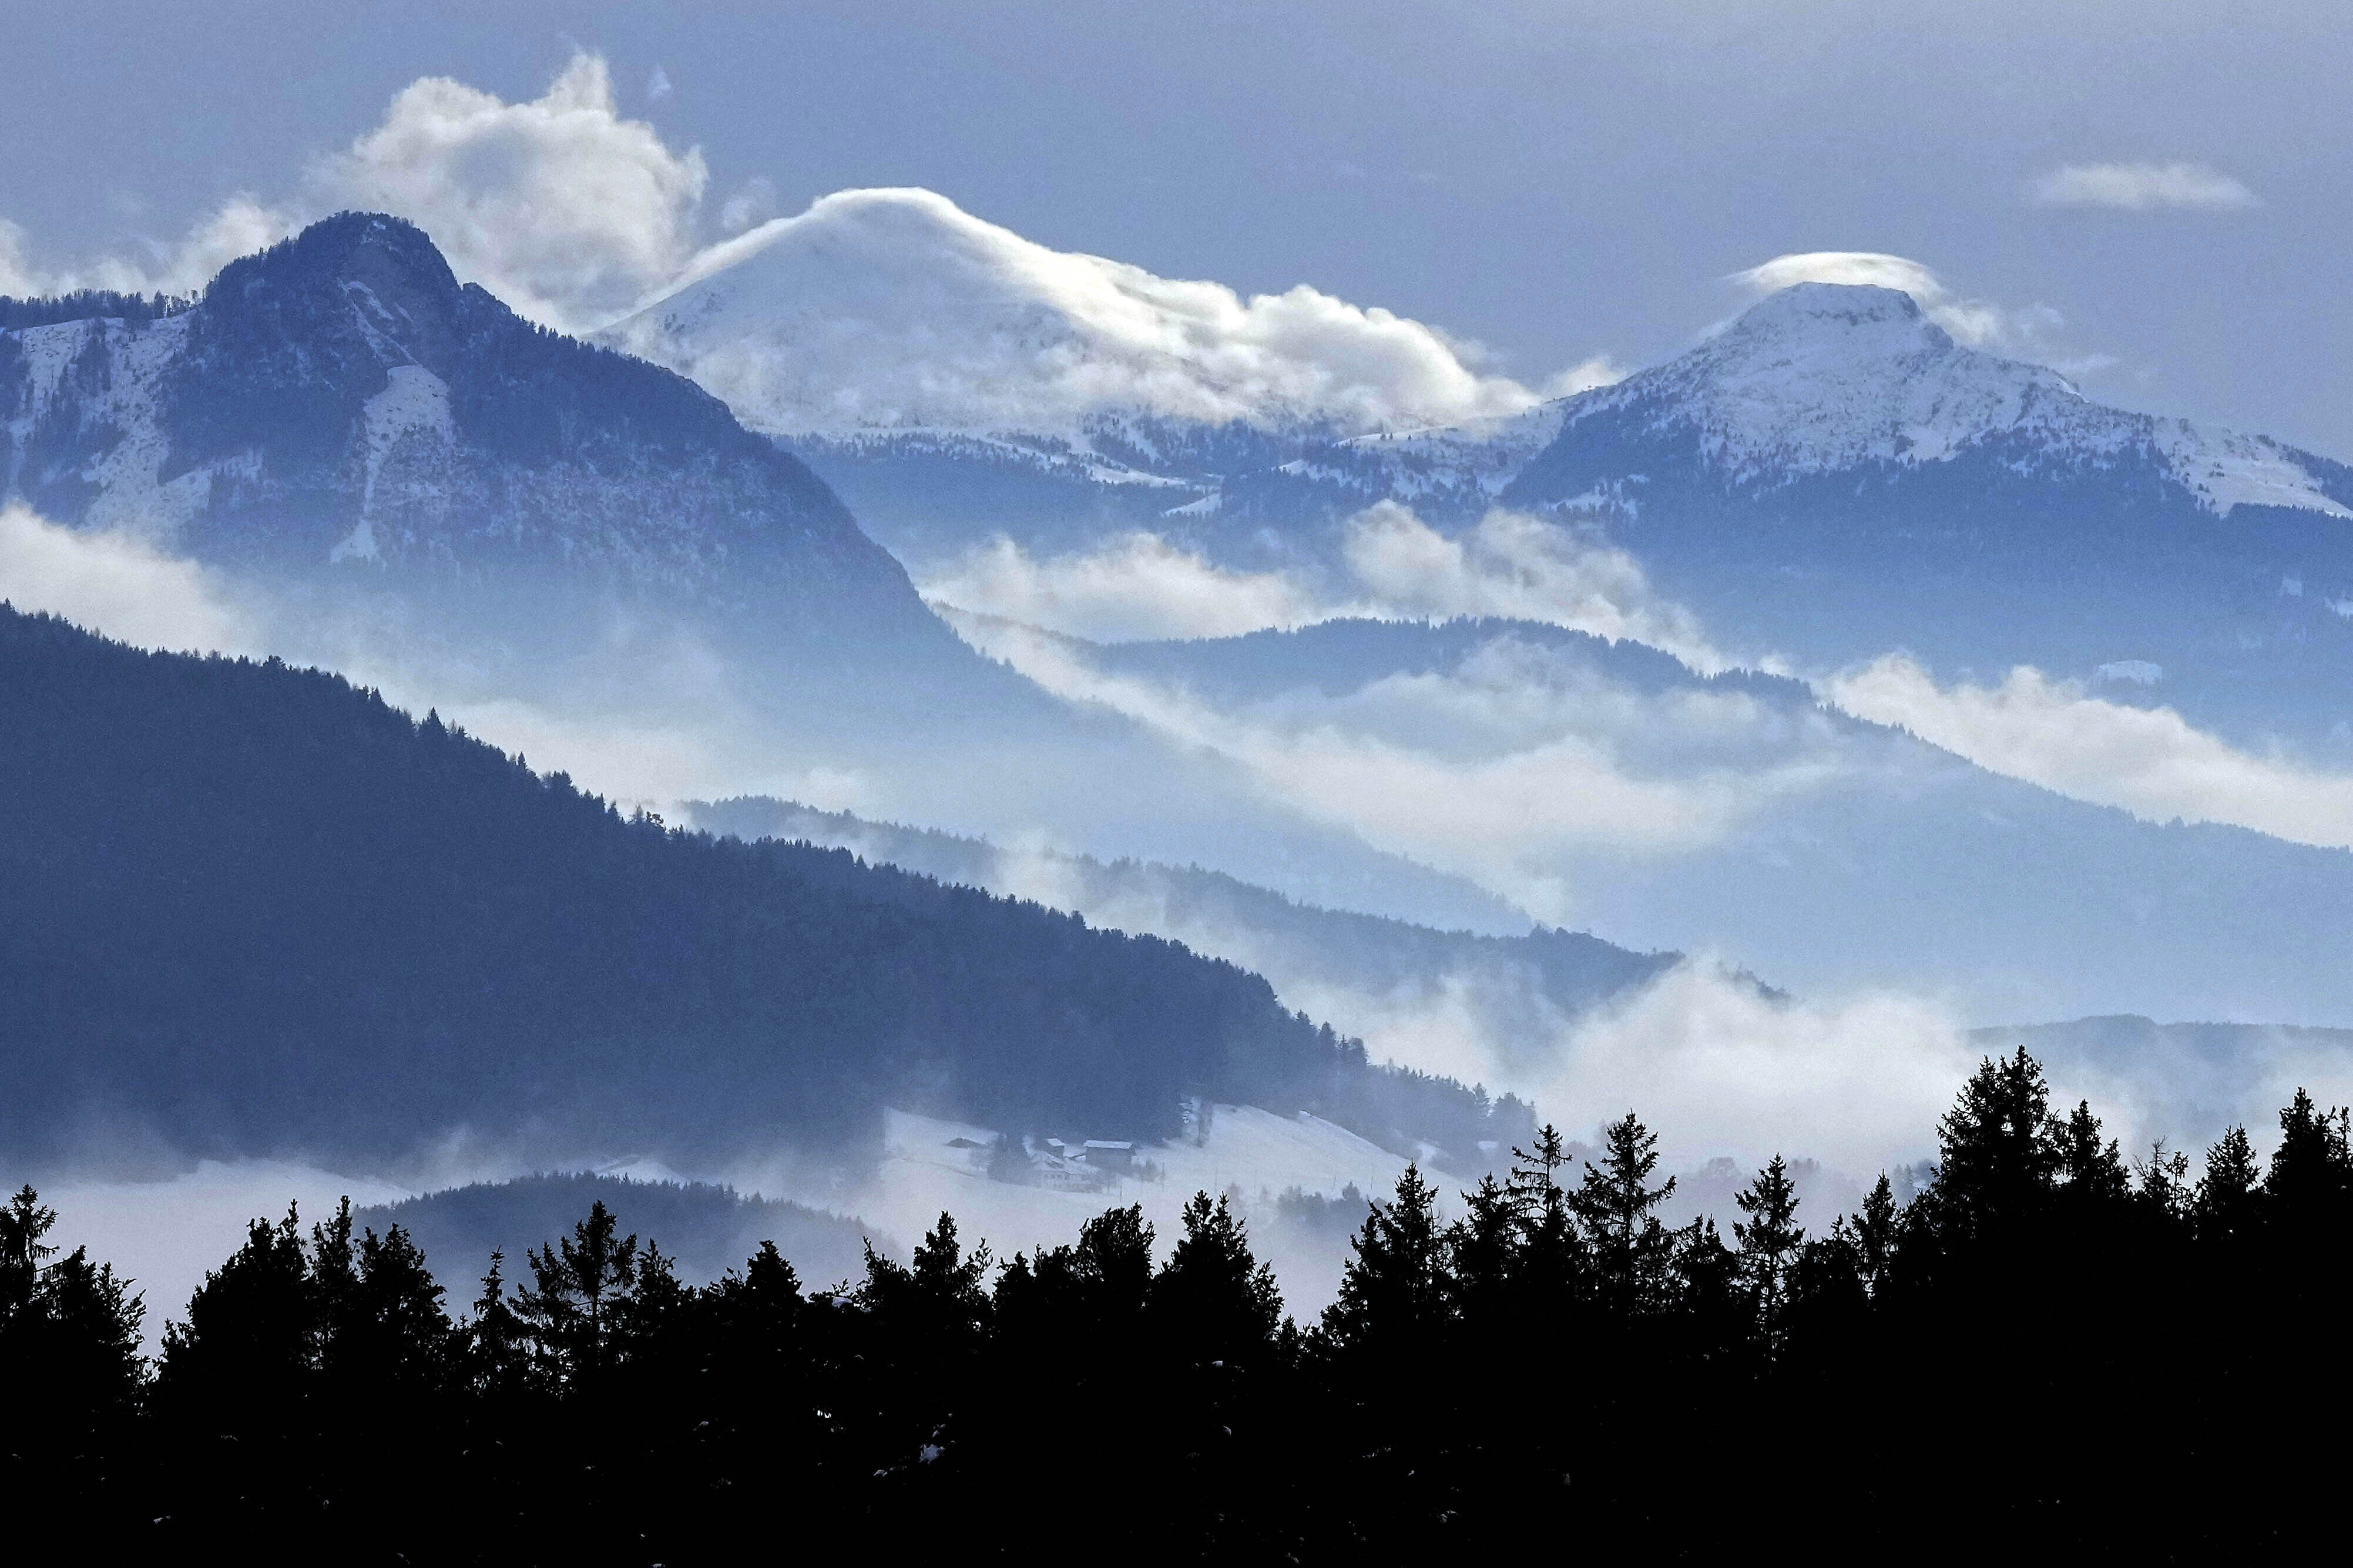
(1854, 853)
(253, 910)
(1511, 982)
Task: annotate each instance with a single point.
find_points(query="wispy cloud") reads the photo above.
(239, 226)
(1502, 769)
(1392, 566)
(119, 585)
(1519, 566)
(2150, 761)
(1138, 585)
(2143, 187)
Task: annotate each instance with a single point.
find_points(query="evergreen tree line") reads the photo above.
(90, 304)
(2049, 1350)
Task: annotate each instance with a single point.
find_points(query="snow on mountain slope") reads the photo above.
(339, 405)
(1822, 377)
(1457, 466)
(895, 309)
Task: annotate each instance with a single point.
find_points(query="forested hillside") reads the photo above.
(253, 908)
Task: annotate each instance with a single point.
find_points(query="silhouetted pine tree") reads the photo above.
(1213, 1297)
(1769, 1242)
(1997, 1161)
(579, 1297)
(2225, 1209)
(1397, 1288)
(1615, 1202)
(2091, 1173)
(1554, 1261)
(233, 1395)
(71, 1370)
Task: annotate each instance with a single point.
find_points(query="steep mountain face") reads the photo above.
(338, 411)
(251, 909)
(1833, 477)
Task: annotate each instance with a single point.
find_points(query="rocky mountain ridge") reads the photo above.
(340, 410)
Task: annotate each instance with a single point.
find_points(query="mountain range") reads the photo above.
(1829, 478)
(337, 424)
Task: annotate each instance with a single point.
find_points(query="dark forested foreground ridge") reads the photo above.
(2047, 1350)
(250, 909)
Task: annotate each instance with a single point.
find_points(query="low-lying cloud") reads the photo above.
(1518, 566)
(1392, 566)
(2150, 761)
(1717, 1066)
(120, 585)
(2143, 187)
(1138, 585)
(1496, 770)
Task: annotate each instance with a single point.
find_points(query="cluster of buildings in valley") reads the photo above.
(1088, 1165)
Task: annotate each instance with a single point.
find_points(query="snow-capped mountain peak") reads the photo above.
(892, 310)
(339, 408)
(1823, 377)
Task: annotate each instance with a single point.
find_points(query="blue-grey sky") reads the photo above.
(1555, 179)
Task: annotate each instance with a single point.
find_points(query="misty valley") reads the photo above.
(1557, 1356)
(869, 887)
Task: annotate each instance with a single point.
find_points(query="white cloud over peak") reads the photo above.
(1847, 266)
(559, 206)
(2150, 761)
(898, 310)
(2143, 187)
(873, 308)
